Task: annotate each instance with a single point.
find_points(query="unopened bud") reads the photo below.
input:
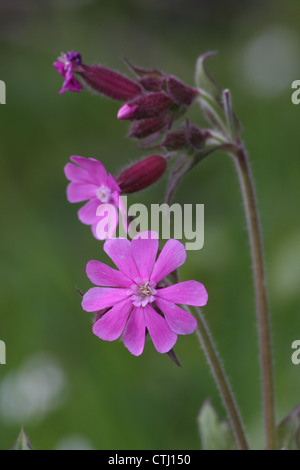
(140, 72)
(142, 174)
(190, 136)
(175, 140)
(179, 92)
(195, 137)
(144, 107)
(109, 83)
(152, 83)
(145, 127)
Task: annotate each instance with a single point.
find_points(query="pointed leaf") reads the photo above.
(22, 442)
(210, 96)
(204, 80)
(288, 431)
(215, 434)
(233, 123)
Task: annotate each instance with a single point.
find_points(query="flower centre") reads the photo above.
(146, 289)
(142, 292)
(103, 193)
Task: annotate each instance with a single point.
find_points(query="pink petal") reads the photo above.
(134, 334)
(186, 293)
(87, 213)
(126, 112)
(94, 228)
(76, 174)
(80, 192)
(117, 199)
(180, 321)
(171, 257)
(99, 170)
(103, 275)
(161, 334)
(112, 183)
(60, 66)
(102, 297)
(85, 163)
(71, 83)
(94, 167)
(88, 164)
(110, 326)
(144, 253)
(119, 250)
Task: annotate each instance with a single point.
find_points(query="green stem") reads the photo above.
(213, 359)
(222, 382)
(260, 292)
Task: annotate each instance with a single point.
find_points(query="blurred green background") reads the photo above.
(68, 388)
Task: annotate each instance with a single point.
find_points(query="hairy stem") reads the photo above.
(222, 381)
(263, 322)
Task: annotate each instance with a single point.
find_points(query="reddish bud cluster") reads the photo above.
(154, 98)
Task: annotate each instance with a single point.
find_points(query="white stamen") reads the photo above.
(142, 292)
(104, 193)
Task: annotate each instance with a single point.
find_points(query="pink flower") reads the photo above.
(90, 182)
(65, 66)
(136, 298)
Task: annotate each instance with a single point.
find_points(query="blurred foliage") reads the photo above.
(117, 401)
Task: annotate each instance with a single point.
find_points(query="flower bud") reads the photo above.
(151, 80)
(140, 72)
(190, 136)
(145, 127)
(179, 92)
(142, 174)
(147, 106)
(175, 140)
(109, 83)
(152, 83)
(195, 137)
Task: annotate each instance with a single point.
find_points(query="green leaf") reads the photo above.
(215, 103)
(22, 442)
(204, 80)
(214, 433)
(288, 431)
(233, 124)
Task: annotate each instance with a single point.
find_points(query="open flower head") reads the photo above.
(133, 294)
(90, 182)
